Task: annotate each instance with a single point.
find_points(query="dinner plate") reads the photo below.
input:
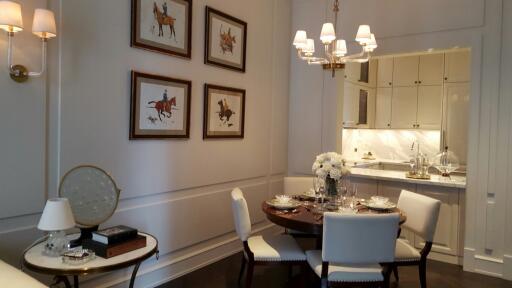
(283, 205)
(378, 206)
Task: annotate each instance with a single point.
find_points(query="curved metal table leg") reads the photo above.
(75, 281)
(63, 279)
(134, 274)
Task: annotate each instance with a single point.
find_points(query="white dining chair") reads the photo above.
(422, 213)
(296, 185)
(358, 250)
(261, 250)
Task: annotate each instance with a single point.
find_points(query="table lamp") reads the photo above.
(57, 217)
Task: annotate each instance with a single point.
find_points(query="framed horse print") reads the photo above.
(163, 26)
(160, 107)
(225, 40)
(224, 112)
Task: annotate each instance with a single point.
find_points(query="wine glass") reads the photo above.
(341, 190)
(318, 184)
(352, 197)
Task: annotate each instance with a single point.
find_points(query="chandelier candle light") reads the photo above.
(335, 50)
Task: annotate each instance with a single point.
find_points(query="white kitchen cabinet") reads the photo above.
(352, 72)
(383, 108)
(404, 105)
(431, 69)
(446, 237)
(457, 66)
(405, 71)
(455, 119)
(350, 105)
(358, 106)
(385, 72)
(430, 107)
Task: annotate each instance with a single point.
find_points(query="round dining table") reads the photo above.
(305, 218)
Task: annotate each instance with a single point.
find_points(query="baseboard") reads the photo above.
(507, 267)
(169, 267)
(451, 259)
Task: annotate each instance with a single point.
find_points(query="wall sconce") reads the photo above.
(43, 27)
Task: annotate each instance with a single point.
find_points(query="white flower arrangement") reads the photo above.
(330, 164)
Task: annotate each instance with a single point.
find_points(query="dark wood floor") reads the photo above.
(225, 272)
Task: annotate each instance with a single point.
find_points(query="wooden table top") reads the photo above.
(307, 220)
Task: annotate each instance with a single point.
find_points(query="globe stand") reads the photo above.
(85, 233)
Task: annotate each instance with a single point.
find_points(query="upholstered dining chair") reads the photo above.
(295, 185)
(357, 251)
(261, 250)
(422, 213)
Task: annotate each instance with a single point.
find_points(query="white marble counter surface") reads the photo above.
(360, 171)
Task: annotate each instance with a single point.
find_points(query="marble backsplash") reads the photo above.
(388, 144)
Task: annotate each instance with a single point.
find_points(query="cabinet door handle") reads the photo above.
(415, 82)
(389, 125)
(445, 78)
(419, 82)
(389, 83)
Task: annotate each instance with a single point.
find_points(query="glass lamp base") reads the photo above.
(56, 244)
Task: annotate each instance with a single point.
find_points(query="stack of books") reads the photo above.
(114, 241)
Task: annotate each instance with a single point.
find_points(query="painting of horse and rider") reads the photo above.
(162, 25)
(226, 39)
(224, 112)
(160, 106)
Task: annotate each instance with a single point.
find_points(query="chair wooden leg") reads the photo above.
(423, 274)
(250, 271)
(395, 273)
(242, 270)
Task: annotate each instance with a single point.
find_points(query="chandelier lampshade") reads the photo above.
(300, 39)
(310, 47)
(363, 34)
(328, 34)
(341, 48)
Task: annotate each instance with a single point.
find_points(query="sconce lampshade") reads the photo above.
(300, 39)
(363, 34)
(327, 35)
(10, 16)
(44, 24)
(57, 215)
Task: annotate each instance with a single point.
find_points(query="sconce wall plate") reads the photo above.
(19, 73)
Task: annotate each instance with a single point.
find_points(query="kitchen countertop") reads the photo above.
(358, 170)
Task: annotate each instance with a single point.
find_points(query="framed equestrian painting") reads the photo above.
(160, 107)
(224, 112)
(163, 26)
(225, 40)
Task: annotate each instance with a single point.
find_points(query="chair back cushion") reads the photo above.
(422, 213)
(297, 185)
(359, 238)
(241, 214)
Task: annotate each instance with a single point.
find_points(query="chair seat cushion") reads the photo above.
(345, 273)
(405, 252)
(275, 248)
(11, 277)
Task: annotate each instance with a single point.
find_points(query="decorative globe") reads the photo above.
(446, 162)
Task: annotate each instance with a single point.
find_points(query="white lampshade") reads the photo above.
(57, 215)
(44, 24)
(341, 48)
(310, 46)
(300, 39)
(10, 16)
(327, 35)
(372, 44)
(363, 34)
